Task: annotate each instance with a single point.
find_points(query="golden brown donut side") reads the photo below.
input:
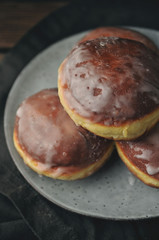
(65, 172)
(51, 144)
(141, 156)
(111, 84)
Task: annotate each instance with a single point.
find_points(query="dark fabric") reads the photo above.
(24, 213)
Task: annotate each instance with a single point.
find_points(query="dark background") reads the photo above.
(24, 214)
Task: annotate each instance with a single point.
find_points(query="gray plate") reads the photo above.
(113, 192)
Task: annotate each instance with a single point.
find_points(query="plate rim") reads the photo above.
(16, 163)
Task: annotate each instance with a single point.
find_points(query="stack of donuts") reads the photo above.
(108, 95)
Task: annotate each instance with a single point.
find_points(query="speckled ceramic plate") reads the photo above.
(112, 192)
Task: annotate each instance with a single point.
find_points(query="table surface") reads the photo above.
(16, 18)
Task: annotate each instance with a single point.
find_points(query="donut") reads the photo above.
(51, 144)
(110, 86)
(119, 32)
(141, 156)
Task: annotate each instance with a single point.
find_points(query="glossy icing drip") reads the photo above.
(144, 152)
(111, 80)
(48, 135)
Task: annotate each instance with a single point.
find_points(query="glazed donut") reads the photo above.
(141, 156)
(119, 32)
(110, 86)
(51, 144)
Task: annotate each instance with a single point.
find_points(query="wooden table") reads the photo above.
(16, 18)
